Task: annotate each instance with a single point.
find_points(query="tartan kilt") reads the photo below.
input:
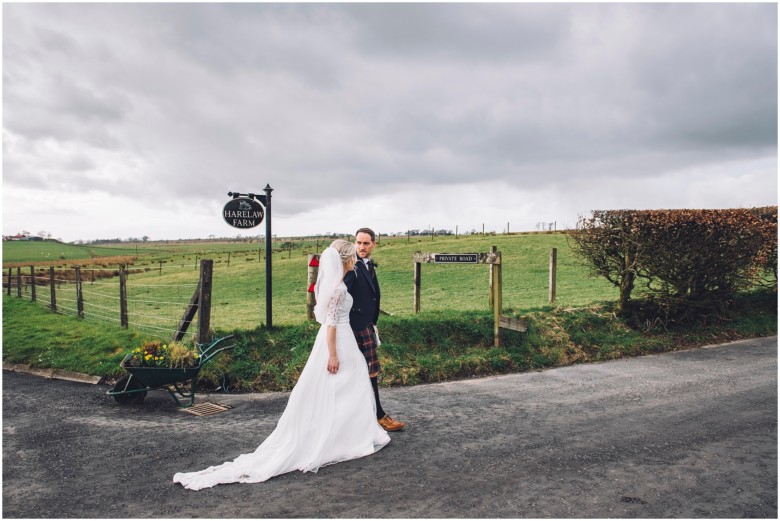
(366, 341)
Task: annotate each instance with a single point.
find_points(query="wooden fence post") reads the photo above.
(53, 304)
(79, 294)
(204, 301)
(10, 274)
(553, 273)
(497, 298)
(122, 297)
(32, 284)
(493, 249)
(311, 280)
(416, 306)
(19, 282)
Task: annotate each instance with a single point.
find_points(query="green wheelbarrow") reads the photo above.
(180, 382)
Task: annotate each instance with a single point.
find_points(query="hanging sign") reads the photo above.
(243, 212)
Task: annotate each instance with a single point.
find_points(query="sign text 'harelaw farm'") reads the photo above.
(243, 212)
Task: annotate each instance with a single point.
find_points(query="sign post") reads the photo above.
(494, 260)
(246, 211)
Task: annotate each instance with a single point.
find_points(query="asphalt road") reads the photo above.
(688, 434)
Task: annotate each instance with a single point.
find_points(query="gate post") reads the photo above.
(204, 301)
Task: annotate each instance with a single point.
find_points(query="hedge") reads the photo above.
(688, 261)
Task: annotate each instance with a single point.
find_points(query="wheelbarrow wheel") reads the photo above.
(129, 384)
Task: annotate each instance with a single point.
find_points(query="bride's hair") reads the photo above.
(346, 249)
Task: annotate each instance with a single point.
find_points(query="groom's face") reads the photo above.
(364, 245)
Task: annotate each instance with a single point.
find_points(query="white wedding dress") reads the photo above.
(328, 418)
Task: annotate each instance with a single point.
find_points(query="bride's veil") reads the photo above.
(329, 278)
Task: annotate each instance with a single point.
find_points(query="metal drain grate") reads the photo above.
(206, 408)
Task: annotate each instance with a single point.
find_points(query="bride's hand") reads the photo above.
(333, 364)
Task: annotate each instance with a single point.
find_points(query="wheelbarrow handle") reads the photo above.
(205, 351)
(207, 354)
(211, 355)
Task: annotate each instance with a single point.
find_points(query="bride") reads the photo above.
(330, 415)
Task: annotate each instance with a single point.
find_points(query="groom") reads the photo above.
(363, 285)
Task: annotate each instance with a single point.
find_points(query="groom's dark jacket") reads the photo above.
(365, 296)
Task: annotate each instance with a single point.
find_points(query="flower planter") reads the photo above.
(178, 381)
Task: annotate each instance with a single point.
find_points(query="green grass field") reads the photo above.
(54, 251)
(451, 338)
(168, 274)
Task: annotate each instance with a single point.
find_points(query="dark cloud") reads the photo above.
(336, 101)
(470, 33)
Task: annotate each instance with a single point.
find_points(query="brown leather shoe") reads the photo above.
(390, 424)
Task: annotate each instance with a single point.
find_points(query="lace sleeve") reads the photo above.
(334, 305)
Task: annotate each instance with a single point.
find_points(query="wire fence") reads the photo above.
(157, 292)
(155, 309)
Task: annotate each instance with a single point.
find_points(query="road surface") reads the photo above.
(686, 434)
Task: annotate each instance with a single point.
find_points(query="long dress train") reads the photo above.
(328, 418)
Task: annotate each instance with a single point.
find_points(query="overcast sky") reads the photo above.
(125, 120)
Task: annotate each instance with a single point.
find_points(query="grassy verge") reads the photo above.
(431, 347)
